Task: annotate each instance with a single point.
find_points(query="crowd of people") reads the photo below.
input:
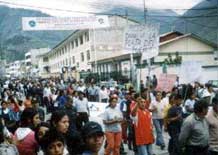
(130, 118)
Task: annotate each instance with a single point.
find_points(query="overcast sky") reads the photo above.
(97, 5)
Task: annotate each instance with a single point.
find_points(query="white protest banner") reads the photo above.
(166, 82)
(64, 23)
(190, 71)
(142, 39)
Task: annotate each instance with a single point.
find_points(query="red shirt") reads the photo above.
(143, 127)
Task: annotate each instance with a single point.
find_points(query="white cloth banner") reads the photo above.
(191, 71)
(142, 39)
(64, 23)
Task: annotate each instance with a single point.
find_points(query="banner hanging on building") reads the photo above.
(64, 23)
(166, 82)
(142, 39)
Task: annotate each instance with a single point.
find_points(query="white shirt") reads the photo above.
(46, 92)
(158, 114)
(189, 103)
(82, 105)
(103, 94)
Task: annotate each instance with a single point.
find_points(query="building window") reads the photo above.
(81, 40)
(72, 44)
(82, 57)
(65, 48)
(28, 57)
(62, 51)
(66, 62)
(70, 62)
(76, 41)
(88, 55)
(77, 64)
(86, 36)
(73, 59)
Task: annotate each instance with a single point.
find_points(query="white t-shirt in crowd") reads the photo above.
(81, 105)
(158, 114)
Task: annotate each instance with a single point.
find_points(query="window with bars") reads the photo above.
(86, 36)
(81, 39)
(82, 57)
(88, 55)
(72, 44)
(76, 41)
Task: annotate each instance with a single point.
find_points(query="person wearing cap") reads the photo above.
(212, 119)
(112, 120)
(93, 137)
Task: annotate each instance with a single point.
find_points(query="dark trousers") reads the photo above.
(196, 150)
(213, 153)
(82, 119)
(173, 146)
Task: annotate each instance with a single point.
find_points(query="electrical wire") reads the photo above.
(97, 13)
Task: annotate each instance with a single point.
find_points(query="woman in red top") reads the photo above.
(143, 127)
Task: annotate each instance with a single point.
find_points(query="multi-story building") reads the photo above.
(82, 47)
(32, 59)
(100, 50)
(16, 68)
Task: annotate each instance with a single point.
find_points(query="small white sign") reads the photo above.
(191, 71)
(142, 39)
(64, 23)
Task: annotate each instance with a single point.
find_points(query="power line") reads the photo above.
(97, 13)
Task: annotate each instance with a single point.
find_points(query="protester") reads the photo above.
(194, 135)
(40, 131)
(6, 147)
(71, 112)
(53, 143)
(93, 137)
(212, 119)
(82, 109)
(112, 120)
(157, 108)
(174, 123)
(24, 137)
(27, 103)
(60, 121)
(103, 95)
(41, 111)
(143, 127)
(189, 104)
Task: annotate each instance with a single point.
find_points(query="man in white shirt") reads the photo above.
(82, 109)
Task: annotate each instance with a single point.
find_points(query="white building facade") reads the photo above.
(82, 47)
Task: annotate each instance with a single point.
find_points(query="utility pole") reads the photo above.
(131, 55)
(141, 59)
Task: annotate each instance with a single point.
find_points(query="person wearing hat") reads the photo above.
(212, 119)
(93, 137)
